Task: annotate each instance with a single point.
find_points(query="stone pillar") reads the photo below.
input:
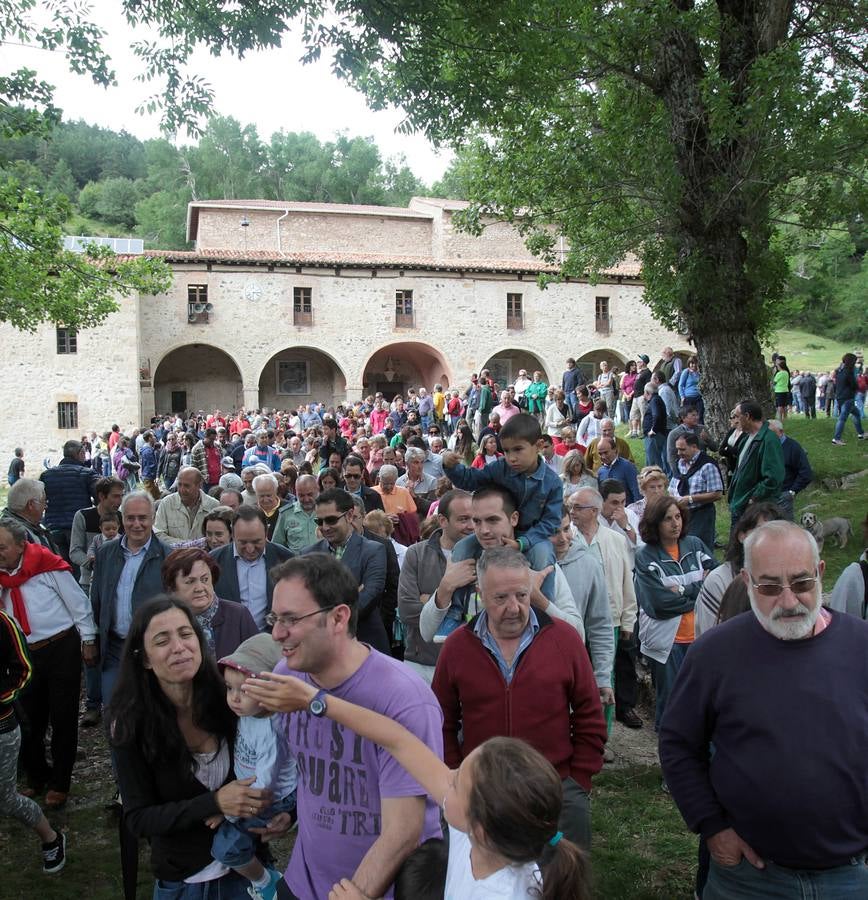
(355, 392)
(147, 403)
(251, 397)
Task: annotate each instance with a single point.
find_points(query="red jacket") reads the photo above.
(479, 461)
(552, 702)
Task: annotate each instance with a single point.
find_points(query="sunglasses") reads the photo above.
(329, 521)
(801, 586)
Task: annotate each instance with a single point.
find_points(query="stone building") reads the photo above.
(282, 303)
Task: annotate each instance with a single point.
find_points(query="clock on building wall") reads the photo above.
(252, 291)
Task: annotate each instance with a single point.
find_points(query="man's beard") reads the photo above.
(788, 625)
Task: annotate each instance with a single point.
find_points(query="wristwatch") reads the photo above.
(89, 643)
(317, 706)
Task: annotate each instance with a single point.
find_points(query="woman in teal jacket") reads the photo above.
(670, 568)
(535, 394)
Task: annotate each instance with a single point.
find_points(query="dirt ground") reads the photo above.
(636, 746)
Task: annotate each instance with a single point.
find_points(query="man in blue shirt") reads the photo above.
(617, 467)
(126, 574)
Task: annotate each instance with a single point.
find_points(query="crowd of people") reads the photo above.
(406, 627)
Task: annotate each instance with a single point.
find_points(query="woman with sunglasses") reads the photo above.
(670, 569)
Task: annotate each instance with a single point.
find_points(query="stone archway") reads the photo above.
(299, 375)
(402, 365)
(505, 365)
(589, 362)
(197, 377)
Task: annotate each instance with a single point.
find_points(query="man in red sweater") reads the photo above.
(513, 671)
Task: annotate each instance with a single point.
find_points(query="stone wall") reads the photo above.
(102, 377)
(313, 232)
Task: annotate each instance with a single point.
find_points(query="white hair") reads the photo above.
(388, 470)
(782, 529)
(265, 479)
(138, 495)
(500, 558)
(412, 454)
(589, 497)
(22, 492)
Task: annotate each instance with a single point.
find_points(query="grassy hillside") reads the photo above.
(806, 351)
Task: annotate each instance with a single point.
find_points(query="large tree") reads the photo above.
(39, 280)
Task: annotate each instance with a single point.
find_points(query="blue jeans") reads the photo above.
(848, 408)
(860, 403)
(655, 451)
(745, 882)
(233, 845)
(230, 887)
(92, 687)
(664, 675)
(111, 664)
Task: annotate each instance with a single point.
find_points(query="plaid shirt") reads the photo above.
(706, 480)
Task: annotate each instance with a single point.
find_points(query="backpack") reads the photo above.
(862, 383)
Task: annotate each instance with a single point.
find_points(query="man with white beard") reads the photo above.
(781, 694)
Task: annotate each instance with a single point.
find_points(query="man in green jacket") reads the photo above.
(760, 471)
(296, 528)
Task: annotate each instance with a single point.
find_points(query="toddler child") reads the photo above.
(109, 528)
(261, 754)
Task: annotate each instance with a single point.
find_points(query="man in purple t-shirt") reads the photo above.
(359, 813)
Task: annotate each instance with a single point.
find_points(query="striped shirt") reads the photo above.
(15, 670)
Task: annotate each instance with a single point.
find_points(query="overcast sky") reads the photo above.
(271, 90)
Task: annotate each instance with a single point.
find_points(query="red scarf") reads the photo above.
(35, 560)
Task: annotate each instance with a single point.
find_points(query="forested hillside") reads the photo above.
(828, 285)
(119, 185)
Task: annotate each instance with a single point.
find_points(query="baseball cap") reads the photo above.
(260, 653)
(228, 462)
(644, 358)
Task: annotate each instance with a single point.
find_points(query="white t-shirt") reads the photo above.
(509, 883)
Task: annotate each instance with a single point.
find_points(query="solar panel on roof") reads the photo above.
(79, 243)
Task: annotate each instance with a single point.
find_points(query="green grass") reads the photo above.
(641, 850)
(828, 462)
(806, 351)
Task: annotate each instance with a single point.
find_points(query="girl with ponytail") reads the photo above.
(502, 804)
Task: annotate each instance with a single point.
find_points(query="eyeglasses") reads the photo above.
(800, 586)
(289, 622)
(349, 476)
(330, 521)
(576, 507)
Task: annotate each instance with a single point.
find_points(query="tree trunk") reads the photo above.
(733, 369)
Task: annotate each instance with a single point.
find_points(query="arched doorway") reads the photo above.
(507, 363)
(301, 375)
(397, 367)
(194, 377)
(589, 362)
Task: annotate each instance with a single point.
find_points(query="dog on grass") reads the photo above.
(837, 526)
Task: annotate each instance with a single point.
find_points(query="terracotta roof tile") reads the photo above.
(629, 268)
